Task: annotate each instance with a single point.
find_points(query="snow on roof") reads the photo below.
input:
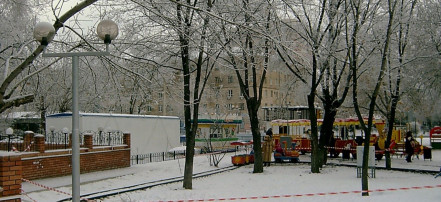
(68, 114)
(17, 115)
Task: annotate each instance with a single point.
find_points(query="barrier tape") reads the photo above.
(29, 147)
(50, 188)
(303, 195)
(24, 193)
(340, 148)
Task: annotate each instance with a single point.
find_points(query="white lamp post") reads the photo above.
(44, 33)
(65, 132)
(9, 132)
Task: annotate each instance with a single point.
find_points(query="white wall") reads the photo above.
(148, 133)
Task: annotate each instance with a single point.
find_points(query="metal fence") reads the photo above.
(101, 138)
(166, 156)
(156, 157)
(59, 140)
(11, 142)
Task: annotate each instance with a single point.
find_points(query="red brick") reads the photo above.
(15, 177)
(7, 173)
(8, 163)
(11, 192)
(9, 182)
(15, 158)
(18, 186)
(15, 168)
(4, 168)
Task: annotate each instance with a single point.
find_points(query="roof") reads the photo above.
(69, 114)
(234, 121)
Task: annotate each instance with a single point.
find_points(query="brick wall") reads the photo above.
(10, 176)
(44, 164)
(59, 163)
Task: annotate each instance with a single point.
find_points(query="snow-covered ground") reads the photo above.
(280, 182)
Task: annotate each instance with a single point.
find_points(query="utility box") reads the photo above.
(427, 153)
(371, 161)
(148, 133)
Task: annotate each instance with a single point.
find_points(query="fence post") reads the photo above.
(70, 140)
(39, 143)
(88, 140)
(27, 140)
(10, 176)
(126, 139)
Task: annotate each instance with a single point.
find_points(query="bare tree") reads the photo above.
(360, 13)
(9, 84)
(317, 28)
(248, 54)
(392, 92)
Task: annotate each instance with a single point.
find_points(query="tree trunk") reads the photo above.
(315, 155)
(391, 122)
(326, 131)
(253, 112)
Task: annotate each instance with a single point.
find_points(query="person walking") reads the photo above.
(409, 146)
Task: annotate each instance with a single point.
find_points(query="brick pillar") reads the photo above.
(39, 143)
(27, 140)
(70, 141)
(10, 176)
(126, 139)
(88, 140)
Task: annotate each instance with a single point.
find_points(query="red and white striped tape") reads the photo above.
(49, 188)
(24, 193)
(29, 147)
(339, 148)
(303, 195)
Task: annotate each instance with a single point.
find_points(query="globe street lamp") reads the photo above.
(65, 132)
(9, 132)
(44, 33)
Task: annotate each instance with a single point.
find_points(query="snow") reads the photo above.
(276, 180)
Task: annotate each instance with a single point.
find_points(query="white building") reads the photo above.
(149, 133)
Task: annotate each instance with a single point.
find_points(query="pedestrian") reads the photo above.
(269, 132)
(409, 146)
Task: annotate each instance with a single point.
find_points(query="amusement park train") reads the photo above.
(291, 138)
(347, 136)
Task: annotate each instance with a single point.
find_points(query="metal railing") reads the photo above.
(11, 142)
(156, 157)
(166, 156)
(101, 138)
(58, 140)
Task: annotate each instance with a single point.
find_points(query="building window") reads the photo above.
(217, 80)
(217, 106)
(149, 108)
(169, 108)
(160, 95)
(160, 108)
(230, 79)
(230, 106)
(241, 106)
(230, 94)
